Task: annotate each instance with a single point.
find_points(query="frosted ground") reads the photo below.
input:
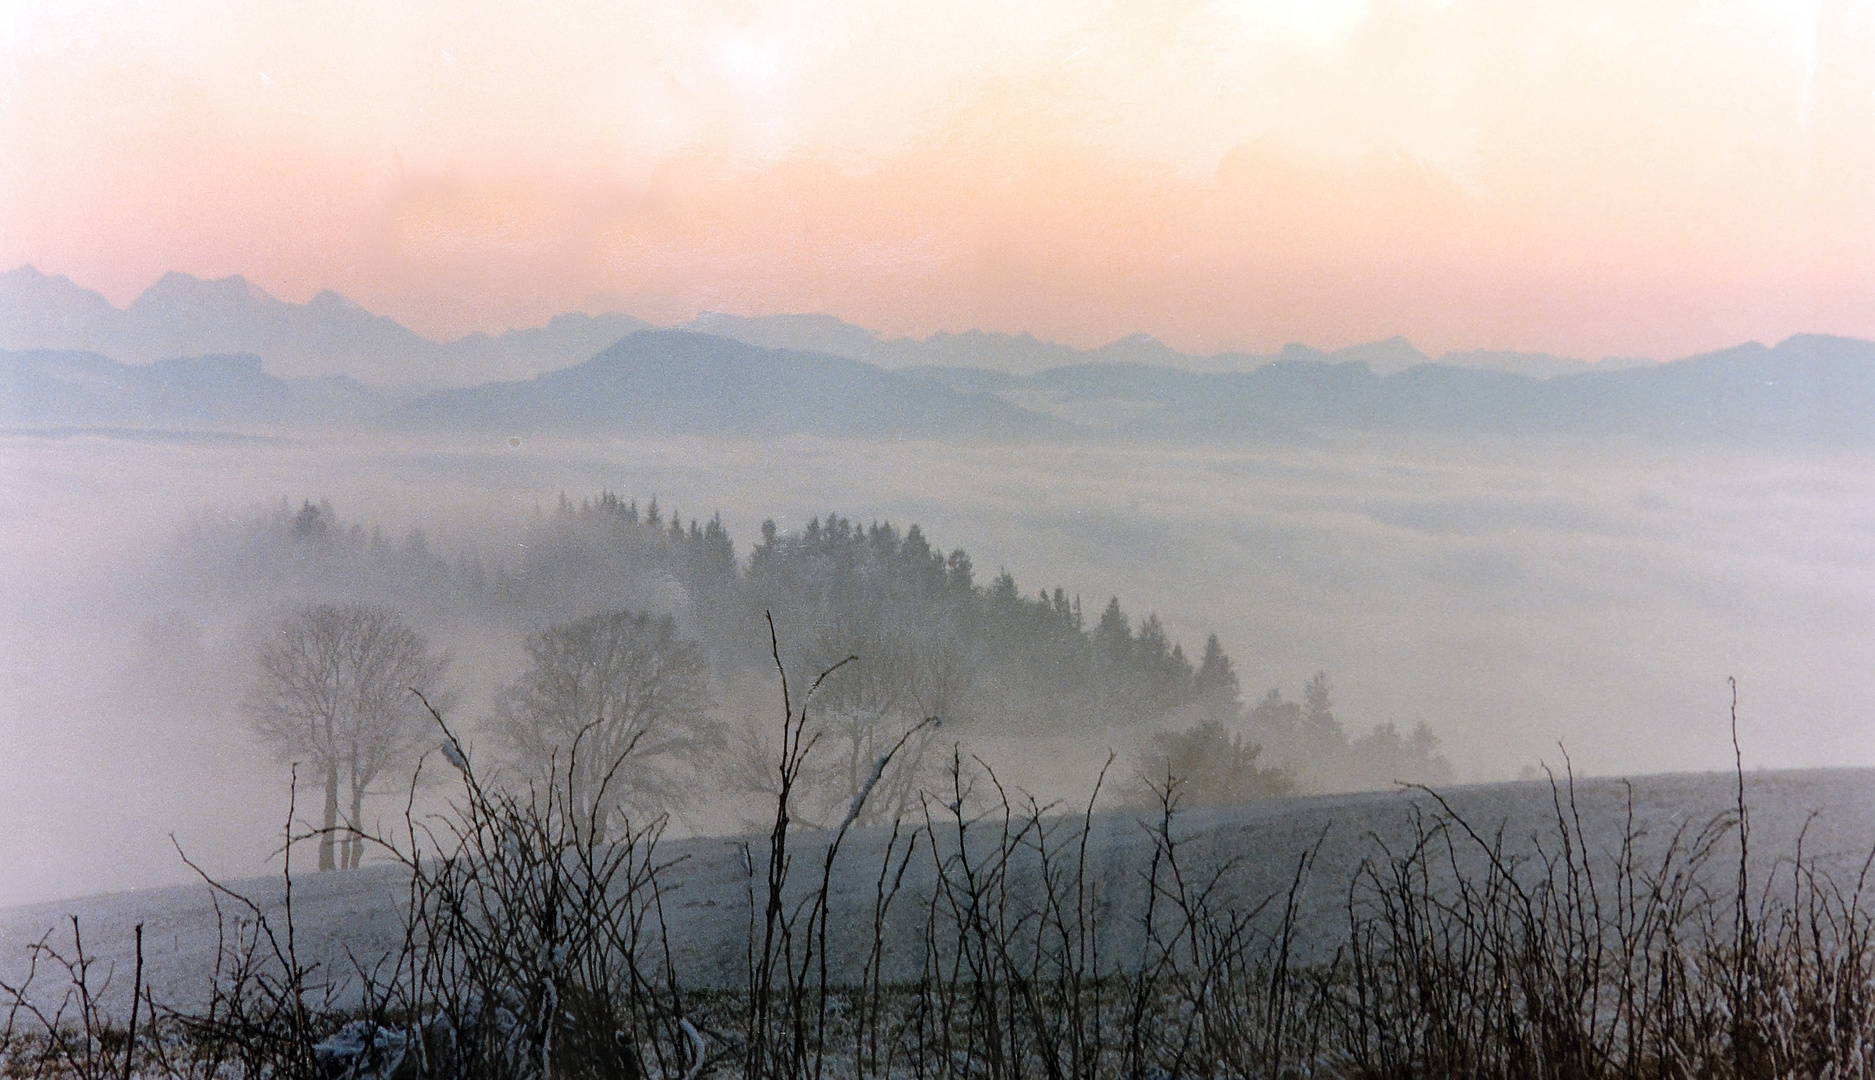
(1513, 594)
(350, 918)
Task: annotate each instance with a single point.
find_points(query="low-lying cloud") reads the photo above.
(1511, 594)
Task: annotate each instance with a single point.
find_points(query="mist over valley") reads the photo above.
(1510, 594)
(1521, 556)
(1335, 628)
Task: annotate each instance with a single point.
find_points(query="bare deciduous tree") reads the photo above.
(616, 708)
(334, 690)
(891, 685)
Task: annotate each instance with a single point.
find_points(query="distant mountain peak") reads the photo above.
(1816, 341)
(40, 310)
(332, 301)
(176, 287)
(1384, 357)
(708, 319)
(799, 332)
(27, 280)
(1138, 339)
(28, 272)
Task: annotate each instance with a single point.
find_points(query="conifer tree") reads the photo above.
(1215, 683)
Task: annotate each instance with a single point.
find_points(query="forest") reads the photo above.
(644, 634)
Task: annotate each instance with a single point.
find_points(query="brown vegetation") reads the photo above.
(533, 951)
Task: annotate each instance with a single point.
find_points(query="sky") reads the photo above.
(1597, 177)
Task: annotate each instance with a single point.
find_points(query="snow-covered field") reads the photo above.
(348, 918)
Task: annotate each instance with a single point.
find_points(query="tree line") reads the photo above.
(634, 619)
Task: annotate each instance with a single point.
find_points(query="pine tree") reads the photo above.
(1113, 636)
(1216, 681)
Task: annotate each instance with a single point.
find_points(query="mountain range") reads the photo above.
(182, 315)
(224, 356)
(1809, 388)
(1023, 354)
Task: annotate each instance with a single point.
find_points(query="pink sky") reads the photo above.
(1633, 177)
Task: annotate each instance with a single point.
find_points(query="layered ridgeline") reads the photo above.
(1805, 391)
(184, 316)
(223, 356)
(932, 637)
(181, 315)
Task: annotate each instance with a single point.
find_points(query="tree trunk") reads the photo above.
(589, 828)
(355, 844)
(327, 861)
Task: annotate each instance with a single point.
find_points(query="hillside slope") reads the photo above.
(706, 902)
(670, 381)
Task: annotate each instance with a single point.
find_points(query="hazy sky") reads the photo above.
(1642, 177)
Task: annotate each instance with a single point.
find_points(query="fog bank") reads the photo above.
(1512, 594)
